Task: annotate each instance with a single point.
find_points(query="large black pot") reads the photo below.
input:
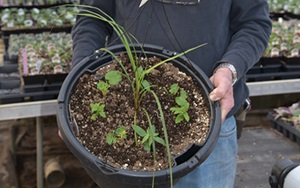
(107, 176)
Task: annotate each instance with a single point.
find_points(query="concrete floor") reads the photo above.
(260, 147)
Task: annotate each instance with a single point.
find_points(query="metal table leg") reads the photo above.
(39, 152)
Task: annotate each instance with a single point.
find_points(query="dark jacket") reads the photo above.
(236, 31)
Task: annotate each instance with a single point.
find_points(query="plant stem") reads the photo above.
(165, 135)
(174, 57)
(135, 136)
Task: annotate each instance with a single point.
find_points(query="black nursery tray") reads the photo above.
(292, 64)
(271, 65)
(32, 96)
(32, 88)
(272, 76)
(35, 29)
(268, 69)
(41, 82)
(288, 130)
(256, 69)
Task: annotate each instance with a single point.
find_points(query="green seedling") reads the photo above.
(114, 136)
(103, 87)
(97, 110)
(174, 89)
(113, 78)
(150, 136)
(181, 111)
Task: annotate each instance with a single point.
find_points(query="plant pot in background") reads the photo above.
(106, 175)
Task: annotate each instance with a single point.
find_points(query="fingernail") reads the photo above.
(213, 97)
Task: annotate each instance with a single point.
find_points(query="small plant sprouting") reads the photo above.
(97, 110)
(173, 89)
(113, 78)
(114, 136)
(181, 111)
(103, 87)
(149, 136)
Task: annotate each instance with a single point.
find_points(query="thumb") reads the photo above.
(214, 95)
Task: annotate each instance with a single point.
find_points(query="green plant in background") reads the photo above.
(45, 47)
(46, 17)
(290, 114)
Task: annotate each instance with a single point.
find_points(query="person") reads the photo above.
(236, 32)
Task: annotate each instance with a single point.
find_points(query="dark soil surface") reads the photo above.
(119, 109)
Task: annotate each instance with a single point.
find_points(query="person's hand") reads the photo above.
(59, 134)
(222, 80)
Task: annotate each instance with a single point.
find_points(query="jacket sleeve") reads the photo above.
(251, 28)
(89, 34)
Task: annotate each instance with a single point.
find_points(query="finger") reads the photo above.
(227, 103)
(219, 92)
(59, 134)
(213, 95)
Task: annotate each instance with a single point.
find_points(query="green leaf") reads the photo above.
(160, 140)
(94, 116)
(113, 77)
(180, 101)
(186, 116)
(140, 70)
(176, 110)
(147, 148)
(103, 87)
(183, 94)
(102, 114)
(174, 89)
(152, 129)
(185, 106)
(121, 132)
(146, 137)
(146, 85)
(98, 109)
(139, 130)
(94, 107)
(179, 118)
(110, 138)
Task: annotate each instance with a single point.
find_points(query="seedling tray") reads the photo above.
(30, 88)
(48, 82)
(270, 65)
(256, 69)
(32, 96)
(44, 79)
(287, 129)
(292, 64)
(272, 76)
